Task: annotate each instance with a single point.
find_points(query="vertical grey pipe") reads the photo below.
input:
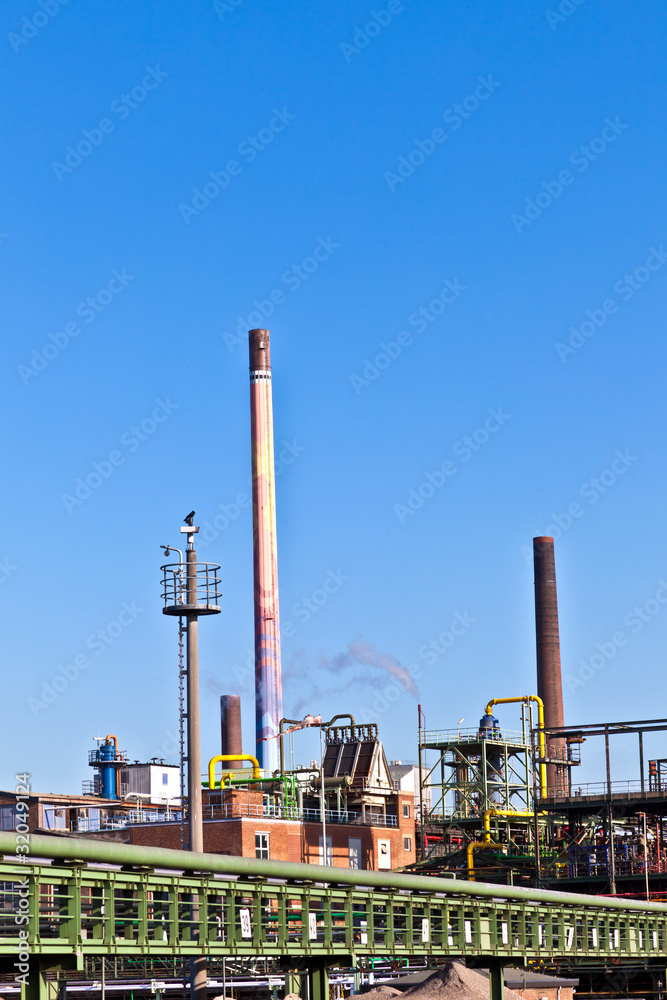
(198, 974)
(549, 683)
(195, 826)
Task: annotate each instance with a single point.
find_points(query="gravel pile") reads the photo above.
(455, 982)
(382, 992)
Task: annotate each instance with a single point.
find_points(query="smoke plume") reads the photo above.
(360, 652)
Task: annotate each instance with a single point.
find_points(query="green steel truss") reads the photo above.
(78, 911)
(219, 905)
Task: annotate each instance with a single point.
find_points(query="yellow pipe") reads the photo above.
(471, 847)
(256, 773)
(115, 742)
(540, 725)
(525, 814)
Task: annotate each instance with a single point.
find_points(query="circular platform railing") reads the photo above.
(193, 589)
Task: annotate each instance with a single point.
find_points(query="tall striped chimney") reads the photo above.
(268, 682)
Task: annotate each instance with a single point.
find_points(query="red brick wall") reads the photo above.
(290, 840)
(551, 994)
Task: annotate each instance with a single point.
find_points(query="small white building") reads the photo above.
(405, 778)
(154, 783)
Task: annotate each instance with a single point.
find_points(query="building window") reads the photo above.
(262, 846)
(354, 847)
(7, 897)
(407, 843)
(406, 811)
(7, 815)
(54, 819)
(165, 778)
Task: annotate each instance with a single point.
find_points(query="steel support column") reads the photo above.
(496, 981)
(318, 982)
(292, 982)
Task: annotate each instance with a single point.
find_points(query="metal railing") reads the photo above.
(175, 591)
(119, 821)
(94, 757)
(448, 736)
(232, 810)
(600, 789)
(94, 787)
(256, 810)
(592, 861)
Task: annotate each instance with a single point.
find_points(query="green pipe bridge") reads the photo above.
(62, 900)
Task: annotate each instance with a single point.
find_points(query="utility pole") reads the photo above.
(648, 894)
(201, 598)
(323, 804)
(195, 823)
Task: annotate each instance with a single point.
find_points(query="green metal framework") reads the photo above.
(76, 911)
(470, 775)
(247, 907)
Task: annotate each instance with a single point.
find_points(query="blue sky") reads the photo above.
(451, 219)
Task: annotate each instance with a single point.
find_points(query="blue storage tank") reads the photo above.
(107, 761)
(107, 752)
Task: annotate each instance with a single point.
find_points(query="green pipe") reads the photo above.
(107, 852)
(286, 780)
(244, 781)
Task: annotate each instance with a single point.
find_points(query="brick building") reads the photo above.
(242, 825)
(369, 820)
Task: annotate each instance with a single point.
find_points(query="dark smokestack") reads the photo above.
(549, 685)
(230, 726)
